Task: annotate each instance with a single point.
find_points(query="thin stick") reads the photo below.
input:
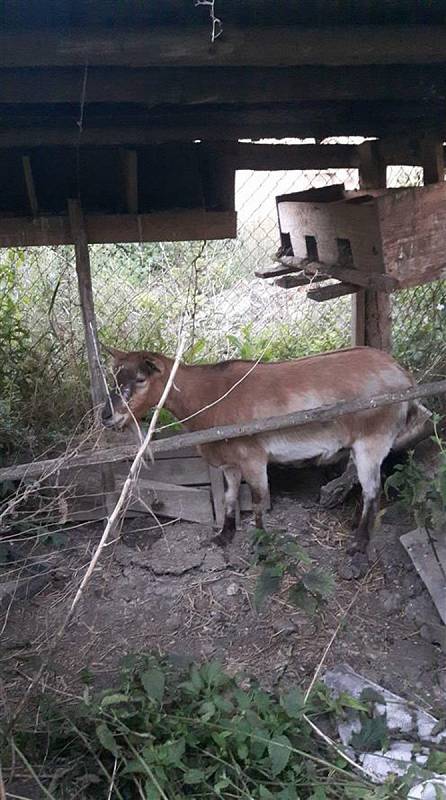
(109, 529)
(333, 744)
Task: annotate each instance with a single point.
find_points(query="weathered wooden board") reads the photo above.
(181, 471)
(412, 224)
(395, 233)
(430, 568)
(170, 500)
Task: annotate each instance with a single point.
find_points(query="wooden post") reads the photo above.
(30, 185)
(371, 310)
(97, 387)
(432, 159)
(129, 160)
(83, 271)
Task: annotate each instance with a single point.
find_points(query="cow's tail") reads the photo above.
(418, 426)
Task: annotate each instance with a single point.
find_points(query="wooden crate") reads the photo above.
(397, 232)
(177, 485)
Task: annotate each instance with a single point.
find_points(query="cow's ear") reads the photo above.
(113, 351)
(153, 363)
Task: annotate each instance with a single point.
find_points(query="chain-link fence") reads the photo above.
(143, 292)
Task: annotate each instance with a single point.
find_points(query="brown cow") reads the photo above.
(239, 391)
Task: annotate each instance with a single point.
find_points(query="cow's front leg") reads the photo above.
(233, 477)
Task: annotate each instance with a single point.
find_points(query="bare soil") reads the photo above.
(170, 590)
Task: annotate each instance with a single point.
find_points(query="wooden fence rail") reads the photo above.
(324, 413)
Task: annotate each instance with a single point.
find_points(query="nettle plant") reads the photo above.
(169, 732)
(284, 561)
(422, 494)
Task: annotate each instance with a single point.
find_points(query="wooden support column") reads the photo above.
(129, 160)
(30, 185)
(83, 272)
(432, 159)
(371, 310)
(97, 388)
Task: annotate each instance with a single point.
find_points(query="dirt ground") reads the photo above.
(171, 590)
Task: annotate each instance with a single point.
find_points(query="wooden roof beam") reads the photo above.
(251, 46)
(108, 126)
(212, 85)
(154, 227)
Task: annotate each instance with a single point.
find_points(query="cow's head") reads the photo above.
(138, 383)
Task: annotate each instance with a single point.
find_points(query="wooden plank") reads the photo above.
(156, 86)
(349, 275)
(193, 505)
(276, 270)
(256, 45)
(430, 566)
(173, 226)
(219, 433)
(30, 186)
(432, 154)
(129, 160)
(130, 127)
(270, 157)
(292, 281)
(412, 223)
(181, 471)
(330, 292)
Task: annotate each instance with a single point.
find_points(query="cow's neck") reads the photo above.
(188, 395)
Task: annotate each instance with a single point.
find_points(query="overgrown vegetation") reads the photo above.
(284, 561)
(141, 292)
(419, 492)
(168, 731)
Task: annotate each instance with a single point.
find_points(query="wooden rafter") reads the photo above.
(189, 46)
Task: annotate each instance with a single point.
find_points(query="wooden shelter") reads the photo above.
(122, 121)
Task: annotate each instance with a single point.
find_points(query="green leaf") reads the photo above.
(300, 597)
(293, 703)
(372, 736)
(319, 582)
(114, 699)
(291, 548)
(437, 762)
(265, 793)
(196, 679)
(268, 582)
(346, 700)
(289, 793)
(371, 695)
(106, 738)
(318, 794)
(279, 753)
(150, 790)
(194, 776)
(153, 681)
(207, 711)
(175, 752)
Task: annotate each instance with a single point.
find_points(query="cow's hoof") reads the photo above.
(358, 545)
(223, 538)
(355, 567)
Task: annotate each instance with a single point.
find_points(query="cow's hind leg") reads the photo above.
(368, 455)
(233, 477)
(255, 474)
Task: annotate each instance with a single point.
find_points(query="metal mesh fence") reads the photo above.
(143, 291)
